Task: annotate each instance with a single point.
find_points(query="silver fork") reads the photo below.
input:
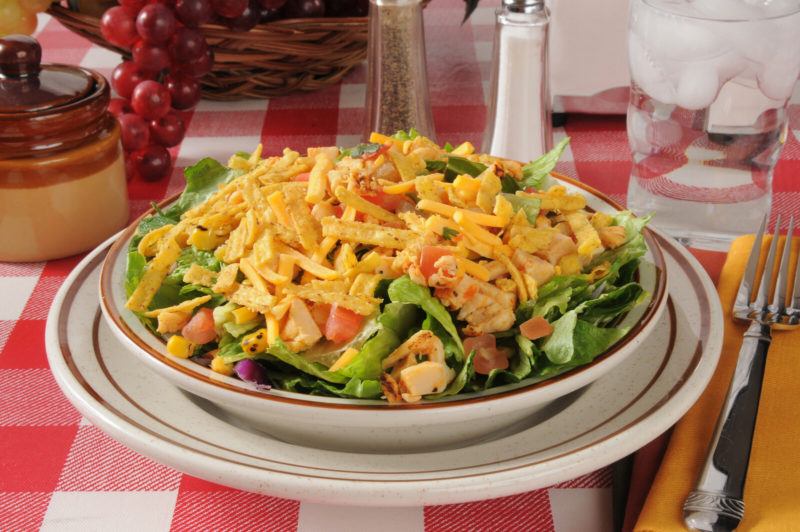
(716, 504)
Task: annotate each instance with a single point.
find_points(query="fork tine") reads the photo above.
(782, 284)
(746, 286)
(766, 277)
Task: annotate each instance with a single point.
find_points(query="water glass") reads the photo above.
(707, 118)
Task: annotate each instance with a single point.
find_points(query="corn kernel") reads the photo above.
(218, 365)
(204, 240)
(255, 342)
(243, 315)
(466, 187)
(180, 347)
(465, 148)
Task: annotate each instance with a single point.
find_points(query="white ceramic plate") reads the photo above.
(576, 434)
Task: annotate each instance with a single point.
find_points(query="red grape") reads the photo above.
(168, 130)
(132, 5)
(118, 26)
(125, 77)
(304, 8)
(229, 8)
(184, 91)
(155, 23)
(193, 13)
(272, 4)
(153, 162)
(247, 20)
(135, 132)
(118, 106)
(187, 45)
(150, 100)
(150, 58)
(268, 15)
(200, 66)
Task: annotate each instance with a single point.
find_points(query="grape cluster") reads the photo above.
(19, 16)
(169, 54)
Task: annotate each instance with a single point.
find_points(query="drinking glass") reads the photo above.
(707, 118)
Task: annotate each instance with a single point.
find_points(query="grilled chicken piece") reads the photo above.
(560, 245)
(539, 269)
(483, 306)
(300, 331)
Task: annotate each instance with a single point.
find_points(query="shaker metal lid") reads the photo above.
(28, 86)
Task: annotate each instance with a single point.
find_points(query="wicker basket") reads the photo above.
(272, 59)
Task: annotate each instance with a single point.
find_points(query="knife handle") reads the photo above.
(716, 504)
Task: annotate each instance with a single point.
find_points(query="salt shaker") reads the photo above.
(519, 123)
(397, 89)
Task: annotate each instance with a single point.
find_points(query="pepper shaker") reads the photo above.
(397, 88)
(519, 123)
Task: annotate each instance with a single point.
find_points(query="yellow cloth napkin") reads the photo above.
(772, 492)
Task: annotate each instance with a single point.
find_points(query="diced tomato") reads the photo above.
(535, 328)
(337, 210)
(302, 177)
(200, 329)
(343, 324)
(489, 358)
(478, 342)
(390, 202)
(428, 258)
(320, 313)
(377, 153)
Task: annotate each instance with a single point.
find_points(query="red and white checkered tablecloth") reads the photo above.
(58, 472)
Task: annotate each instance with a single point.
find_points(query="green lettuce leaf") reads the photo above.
(519, 368)
(315, 369)
(575, 342)
(202, 180)
(396, 320)
(559, 347)
(509, 184)
(360, 150)
(535, 172)
(529, 205)
(457, 166)
(355, 388)
(554, 298)
(411, 134)
(612, 304)
(404, 290)
(134, 271)
(230, 349)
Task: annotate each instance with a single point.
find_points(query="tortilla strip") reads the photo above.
(154, 274)
(366, 233)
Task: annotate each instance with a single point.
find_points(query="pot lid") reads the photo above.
(28, 86)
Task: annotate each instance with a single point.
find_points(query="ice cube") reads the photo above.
(670, 35)
(647, 74)
(698, 86)
(777, 80)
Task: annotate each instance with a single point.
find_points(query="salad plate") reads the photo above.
(374, 425)
(579, 432)
(440, 303)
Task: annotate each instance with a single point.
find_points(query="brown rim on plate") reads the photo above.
(111, 311)
(74, 370)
